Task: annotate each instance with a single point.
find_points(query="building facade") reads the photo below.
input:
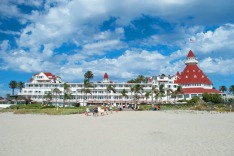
(192, 80)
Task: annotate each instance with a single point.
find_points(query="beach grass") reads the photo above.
(52, 110)
(42, 109)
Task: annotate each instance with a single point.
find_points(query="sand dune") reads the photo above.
(125, 133)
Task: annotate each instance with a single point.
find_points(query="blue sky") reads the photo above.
(124, 39)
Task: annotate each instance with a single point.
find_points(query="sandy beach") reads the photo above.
(166, 133)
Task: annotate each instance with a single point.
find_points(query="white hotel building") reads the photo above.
(192, 80)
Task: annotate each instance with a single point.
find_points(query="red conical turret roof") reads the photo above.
(192, 74)
(190, 54)
(105, 76)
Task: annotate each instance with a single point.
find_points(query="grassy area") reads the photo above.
(197, 106)
(51, 110)
(41, 109)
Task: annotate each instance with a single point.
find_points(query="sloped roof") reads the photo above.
(192, 74)
(190, 54)
(105, 76)
(199, 90)
(49, 74)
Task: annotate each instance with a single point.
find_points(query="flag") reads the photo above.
(191, 40)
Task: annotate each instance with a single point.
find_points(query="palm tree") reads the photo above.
(48, 97)
(86, 89)
(124, 94)
(223, 88)
(231, 89)
(13, 85)
(66, 90)
(67, 95)
(56, 91)
(132, 90)
(177, 91)
(157, 95)
(169, 92)
(147, 95)
(152, 94)
(88, 75)
(140, 78)
(20, 85)
(137, 89)
(161, 91)
(110, 88)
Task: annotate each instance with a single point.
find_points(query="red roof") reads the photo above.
(199, 90)
(192, 74)
(190, 54)
(31, 80)
(105, 76)
(48, 74)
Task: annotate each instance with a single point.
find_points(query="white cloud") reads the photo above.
(217, 65)
(101, 46)
(221, 39)
(5, 45)
(78, 22)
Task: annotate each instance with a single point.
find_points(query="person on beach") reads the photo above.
(110, 109)
(87, 111)
(105, 110)
(95, 112)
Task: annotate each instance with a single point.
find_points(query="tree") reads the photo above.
(231, 89)
(13, 85)
(153, 89)
(223, 88)
(87, 85)
(131, 90)
(88, 75)
(110, 88)
(206, 97)
(169, 92)
(140, 78)
(137, 89)
(48, 97)
(177, 92)
(157, 94)
(56, 91)
(194, 99)
(161, 91)
(67, 96)
(124, 94)
(66, 90)
(231, 100)
(8, 96)
(147, 95)
(20, 85)
(215, 98)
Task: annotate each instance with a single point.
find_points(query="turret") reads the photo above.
(191, 59)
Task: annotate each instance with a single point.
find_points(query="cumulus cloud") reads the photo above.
(78, 22)
(217, 65)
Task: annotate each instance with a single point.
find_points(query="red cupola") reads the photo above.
(105, 76)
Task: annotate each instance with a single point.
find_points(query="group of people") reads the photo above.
(98, 110)
(155, 107)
